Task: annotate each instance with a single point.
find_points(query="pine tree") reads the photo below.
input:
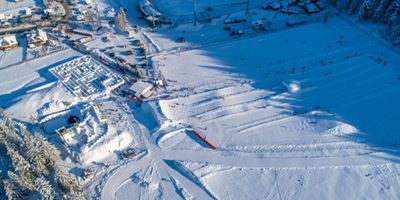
(9, 133)
(51, 153)
(354, 6)
(395, 35)
(122, 21)
(34, 154)
(34, 161)
(44, 188)
(68, 183)
(23, 172)
(367, 9)
(394, 18)
(389, 12)
(11, 190)
(380, 10)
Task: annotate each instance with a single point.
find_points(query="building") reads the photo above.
(28, 12)
(142, 89)
(8, 42)
(5, 17)
(55, 9)
(38, 38)
(311, 8)
(100, 115)
(64, 133)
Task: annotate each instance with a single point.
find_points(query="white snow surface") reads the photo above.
(307, 112)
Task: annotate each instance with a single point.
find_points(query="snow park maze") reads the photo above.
(85, 76)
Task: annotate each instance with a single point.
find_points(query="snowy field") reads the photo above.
(239, 88)
(293, 113)
(220, 7)
(11, 7)
(303, 112)
(23, 81)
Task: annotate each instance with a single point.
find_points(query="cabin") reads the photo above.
(8, 42)
(38, 38)
(311, 8)
(272, 6)
(142, 89)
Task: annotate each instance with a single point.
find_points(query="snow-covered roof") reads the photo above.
(40, 35)
(4, 16)
(28, 11)
(147, 8)
(312, 8)
(8, 40)
(141, 87)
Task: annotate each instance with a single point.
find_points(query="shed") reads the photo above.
(142, 89)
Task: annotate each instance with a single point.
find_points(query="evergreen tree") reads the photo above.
(34, 161)
(44, 188)
(11, 190)
(34, 154)
(122, 21)
(395, 35)
(51, 153)
(389, 12)
(367, 9)
(381, 10)
(67, 182)
(394, 18)
(24, 176)
(354, 6)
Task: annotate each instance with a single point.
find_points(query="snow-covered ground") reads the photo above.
(303, 112)
(12, 7)
(293, 114)
(314, 105)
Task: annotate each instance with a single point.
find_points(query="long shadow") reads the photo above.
(192, 136)
(11, 98)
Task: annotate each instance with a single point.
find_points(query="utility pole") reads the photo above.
(194, 13)
(247, 7)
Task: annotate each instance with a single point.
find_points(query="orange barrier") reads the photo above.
(202, 137)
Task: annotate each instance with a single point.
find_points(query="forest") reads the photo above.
(385, 12)
(30, 166)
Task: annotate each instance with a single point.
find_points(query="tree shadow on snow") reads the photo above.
(11, 98)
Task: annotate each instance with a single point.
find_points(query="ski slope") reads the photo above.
(305, 113)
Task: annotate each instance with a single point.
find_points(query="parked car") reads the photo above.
(88, 173)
